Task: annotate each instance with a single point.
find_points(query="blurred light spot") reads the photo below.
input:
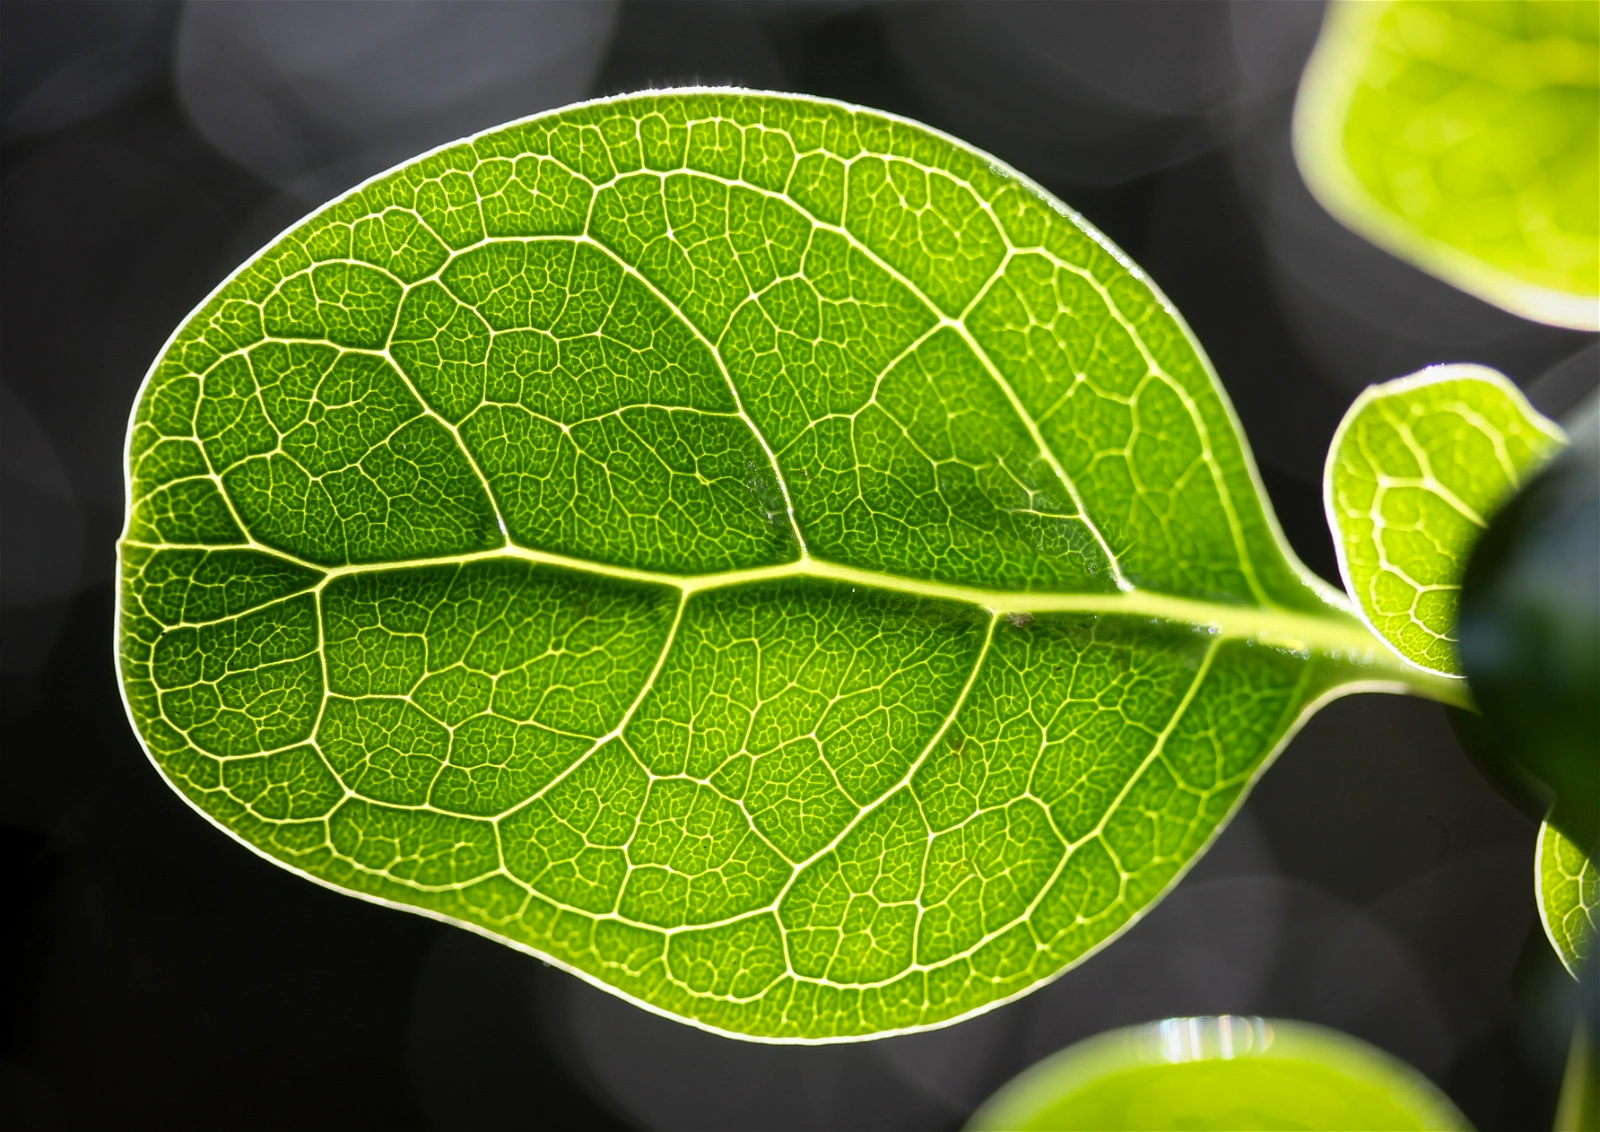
(700, 44)
(1090, 94)
(1271, 42)
(1216, 1037)
(42, 552)
(666, 1075)
(107, 54)
(41, 556)
(317, 97)
(1561, 389)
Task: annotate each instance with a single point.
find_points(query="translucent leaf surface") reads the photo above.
(1225, 1073)
(1416, 468)
(1568, 887)
(758, 554)
(1465, 137)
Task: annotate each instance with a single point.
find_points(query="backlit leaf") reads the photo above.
(761, 555)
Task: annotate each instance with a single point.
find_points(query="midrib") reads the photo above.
(1334, 633)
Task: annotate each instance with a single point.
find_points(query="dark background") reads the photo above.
(156, 974)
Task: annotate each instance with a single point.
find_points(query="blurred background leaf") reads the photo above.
(1465, 138)
(1218, 1072)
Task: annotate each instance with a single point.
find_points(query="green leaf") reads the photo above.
(761, 555)
(1416, 468)
(1224, 1073)
(1465, 138)
(1568, 888)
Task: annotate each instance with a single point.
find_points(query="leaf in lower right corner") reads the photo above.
(1569, 895)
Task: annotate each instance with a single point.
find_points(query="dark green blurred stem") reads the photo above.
(1489, 752)
(1529, 638)
(1578, 1110)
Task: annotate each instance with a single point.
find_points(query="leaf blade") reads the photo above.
(773, 470)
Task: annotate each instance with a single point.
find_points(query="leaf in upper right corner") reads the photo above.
(1416, 469)
(1568, 889)
(1462, 138)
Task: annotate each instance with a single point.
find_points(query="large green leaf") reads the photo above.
(759, 554)
(1226, 1073)
(1416, 468)
(1465, 137)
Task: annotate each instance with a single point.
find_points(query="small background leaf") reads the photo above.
(1416, 470)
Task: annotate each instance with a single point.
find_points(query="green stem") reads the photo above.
(1373, 660)
(1448, 690)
